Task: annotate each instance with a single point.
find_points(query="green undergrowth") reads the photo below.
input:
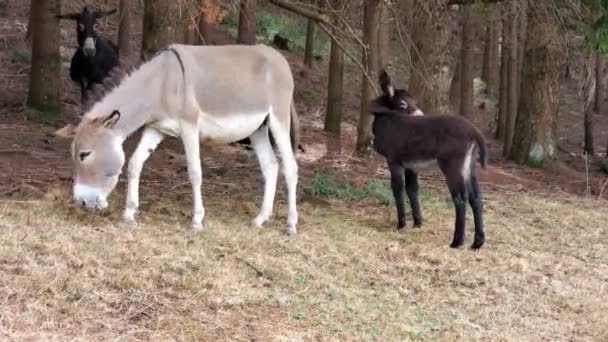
(326, 184)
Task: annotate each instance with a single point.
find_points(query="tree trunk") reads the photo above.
(45, 73)
(533, 142)
(466, 61)
(501, 122)
(384, 35)
(124, 28)
(522, 22)
(589, 131)
(455, 87)
(310, 43)
(247, 23)
(428, 52)
(164, 23)
(333, 115)
(371, 34)
(512, 70)
(489, 73)
(599, 83)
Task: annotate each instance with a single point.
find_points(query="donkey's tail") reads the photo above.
(483, 148)
(294, 129)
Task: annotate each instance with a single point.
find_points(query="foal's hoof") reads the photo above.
(456, 244)
(259, 221)
(196, 227)
(129, 222)
(477, 244)
(417, 223)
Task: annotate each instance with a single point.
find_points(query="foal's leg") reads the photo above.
(396, 169)
(475, 200)
(191, 140)
(280, 133)
(150, 139)
(411, 186)
(456, 183)
(270, 170)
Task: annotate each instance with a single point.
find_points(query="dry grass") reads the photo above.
(346, 276)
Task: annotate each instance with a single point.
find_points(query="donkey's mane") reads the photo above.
(115, 78)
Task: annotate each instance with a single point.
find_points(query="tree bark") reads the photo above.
(384, 35)
(512, 70)
(501, 122)
(589, 131)
(600, 87)
(45, 74)
(247, 23)
(371, 34)
(466, 62)
(522, 22)
(310, 43)
(333, 115)
(534, 142)
(489, 72)
(124, 28)
(164, 23)
(428, 52)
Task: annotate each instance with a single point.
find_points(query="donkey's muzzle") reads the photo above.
(89, 197)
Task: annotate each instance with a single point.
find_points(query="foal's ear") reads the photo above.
(71, 16)
(111, 119)
(69, 131)
(386, 84)
(101, 14)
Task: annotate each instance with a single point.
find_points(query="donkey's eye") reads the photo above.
(81, 27)
(83, 155)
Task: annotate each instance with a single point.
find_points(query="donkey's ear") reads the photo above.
(112, 119)
(101, 14)
(69, 131)
(386, 84)
(71, 16)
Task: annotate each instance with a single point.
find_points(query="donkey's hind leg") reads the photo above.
(191, 141)
(452, 169)
(150, 139)
(475, 200)
(396, 169)
(280, 133)
(411, 186)
(270, 170)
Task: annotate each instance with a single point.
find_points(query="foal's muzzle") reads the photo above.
(89, 198)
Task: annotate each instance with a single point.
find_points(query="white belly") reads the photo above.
(226, 129)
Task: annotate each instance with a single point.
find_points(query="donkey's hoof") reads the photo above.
(196, 227)
(417, 223)
(291, 230)
(477, 244)
(456, 244)
(259, 221)
(129, 222)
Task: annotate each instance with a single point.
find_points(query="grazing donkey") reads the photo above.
(411, 141)
(96, 55)
(201, 94)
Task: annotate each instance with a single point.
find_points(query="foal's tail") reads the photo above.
(483, 148)
(294, 129)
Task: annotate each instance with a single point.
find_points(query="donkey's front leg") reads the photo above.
(397, 185)
(150, 139)
(190, 139)
(411, 187)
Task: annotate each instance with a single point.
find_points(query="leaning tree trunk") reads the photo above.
(428, 52)
(247, 23)
(466, 62)
(533, 142)
(164, 23)
(501, 122)
(45, 73)
(512, 78)
(371, 15)
(124, 28)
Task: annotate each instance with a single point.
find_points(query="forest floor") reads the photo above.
(347, 275)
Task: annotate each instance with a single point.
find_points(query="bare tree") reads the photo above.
(333, 115)
(469, 33)
(124, 28)
(247, 22)
(512, 78)
(489, 71)
(428, 51)
(534, 141)
(310, 43)
(45, 77)
(501, 122)
(372, 11)
(600, 86)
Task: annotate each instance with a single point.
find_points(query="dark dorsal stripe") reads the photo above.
(179, 58)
